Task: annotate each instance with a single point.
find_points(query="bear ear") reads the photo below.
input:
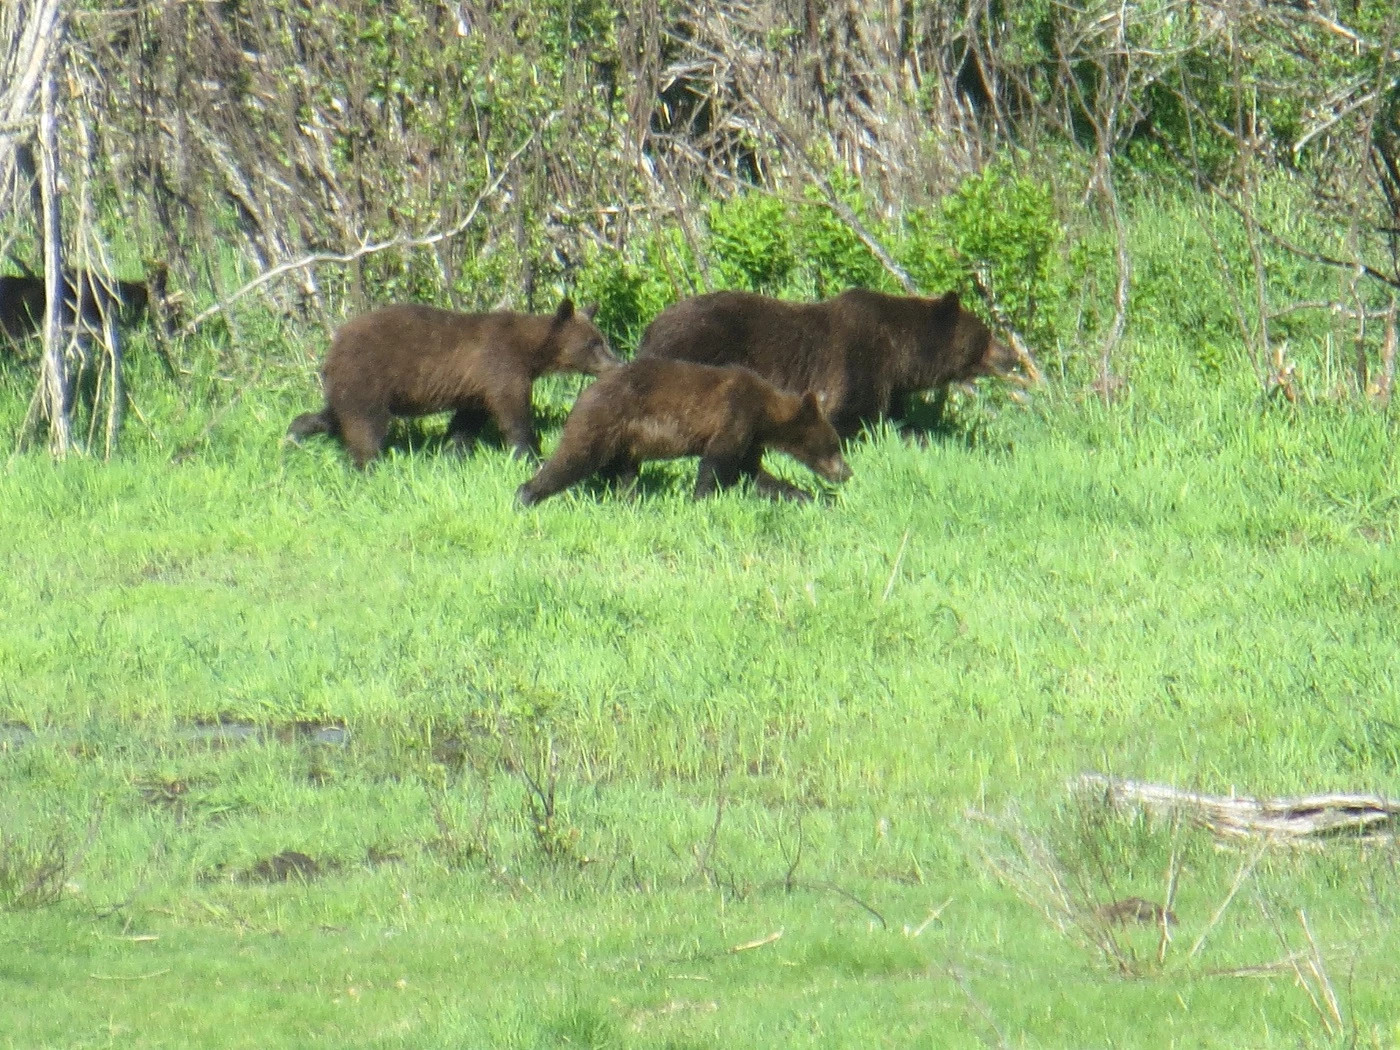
(590, 311)
(812, 406)
(565, 311)
(950, 301)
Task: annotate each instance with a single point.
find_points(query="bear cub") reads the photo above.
(412, 360)
(668, 409)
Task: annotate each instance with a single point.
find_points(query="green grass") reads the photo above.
(831, 721)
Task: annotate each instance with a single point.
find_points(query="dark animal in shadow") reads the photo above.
(87, 297)
(668, 409)
(865, 353)
(412, 360)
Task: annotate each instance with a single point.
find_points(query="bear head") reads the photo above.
(972, 350)
(576, 343)
(809, 437)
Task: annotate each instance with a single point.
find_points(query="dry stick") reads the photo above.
(702, 857)
(1173, 874)
(1293, 957)
(757, 943)
(1319, 970)
(54, 380)
(36, 41)
(894, 571)
(843, 892)
(1240, 875)
(366, 248)
(1279, 378)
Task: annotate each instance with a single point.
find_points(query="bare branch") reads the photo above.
(317, 258)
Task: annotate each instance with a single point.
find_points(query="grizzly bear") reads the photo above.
(414, 360)
(864, 352)
(87, 296)
(668, 409)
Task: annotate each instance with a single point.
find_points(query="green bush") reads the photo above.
(835, 258)
(633, 286)
(751, 243)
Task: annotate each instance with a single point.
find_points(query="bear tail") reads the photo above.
(309, 423)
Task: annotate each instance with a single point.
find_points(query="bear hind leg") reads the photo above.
(465, 427)
(364, 436)
(621, 475)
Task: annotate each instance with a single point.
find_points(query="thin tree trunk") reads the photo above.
(55, 372)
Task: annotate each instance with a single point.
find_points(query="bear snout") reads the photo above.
(1000, 360)
(835, 468)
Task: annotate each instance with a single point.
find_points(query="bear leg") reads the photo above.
(715, 474)
(364, 436)
(465, 427)
(621, 474)
(510, 407)
(568, 466)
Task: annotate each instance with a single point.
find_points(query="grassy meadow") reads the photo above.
(313, 758)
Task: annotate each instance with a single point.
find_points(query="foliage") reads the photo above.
(751, 241)
(834, 257)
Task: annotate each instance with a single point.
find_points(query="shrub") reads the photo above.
(750, 241)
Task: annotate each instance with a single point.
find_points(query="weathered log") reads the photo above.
(1306, 817)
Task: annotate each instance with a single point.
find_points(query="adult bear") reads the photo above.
(862, 353)
(411, 360)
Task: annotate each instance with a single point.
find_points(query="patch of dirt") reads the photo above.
(283, 867)
(1134, 910)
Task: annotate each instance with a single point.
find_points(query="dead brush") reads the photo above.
(1076, 885)
(37, 874)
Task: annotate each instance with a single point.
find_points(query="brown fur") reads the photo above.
(417, 360)
(86, 295)
(863, 352)
(668, 409)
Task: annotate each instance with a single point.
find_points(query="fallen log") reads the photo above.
(1307, 817)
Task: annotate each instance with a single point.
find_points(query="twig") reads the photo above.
(848, 895)
(1319, 971)
(894, 570)
(1240, 876)
(759, 943)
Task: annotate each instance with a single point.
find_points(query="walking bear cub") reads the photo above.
(668, 409)
(864, 352)
(415, 360)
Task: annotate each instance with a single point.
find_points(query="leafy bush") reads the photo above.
(999, 228)
(835, 258)
(633, 286)
(750, 239)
